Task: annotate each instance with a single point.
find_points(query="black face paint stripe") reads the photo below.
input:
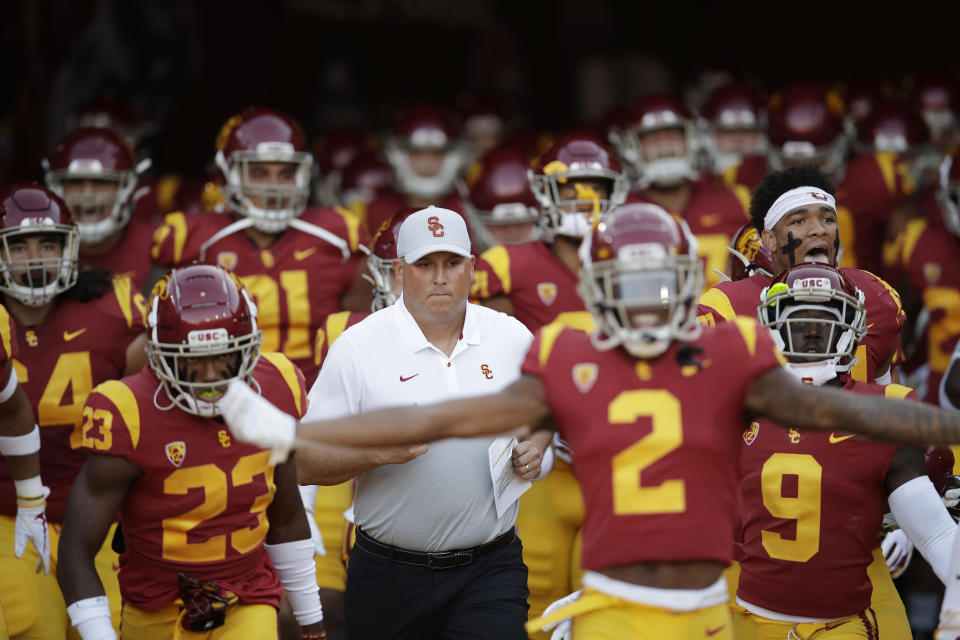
(790, 248)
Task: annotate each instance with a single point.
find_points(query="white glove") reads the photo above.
(561, 630)
(951, 497)
(897, 551)
(949, 627)
(31, 526)
(253, 419)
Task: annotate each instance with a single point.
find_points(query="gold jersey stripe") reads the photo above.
(719, 302)
(5, 336)
(126, 403)
(499, 260)
(178, 224)
(122, 288)
(743, 195)
(336, 324)
(748, 329)
(897, 391)
(910, 237)
(353, 226)
(289, 374)
(576, 320)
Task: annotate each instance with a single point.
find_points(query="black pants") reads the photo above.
(485, 600)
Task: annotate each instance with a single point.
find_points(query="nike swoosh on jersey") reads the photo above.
(402, 379)
(70, 335)
(710, 219)
(834, 439)
(306, 253)
(713, 632)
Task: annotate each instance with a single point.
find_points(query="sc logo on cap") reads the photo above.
(433, 225)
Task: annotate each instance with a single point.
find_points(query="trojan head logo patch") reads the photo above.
(176, 452)
(931, 272)
(750, 434)
(434, 226)
(585, 375)
(227, 260)
(547, 291)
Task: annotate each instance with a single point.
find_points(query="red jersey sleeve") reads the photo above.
(175, 241)
(111, 420)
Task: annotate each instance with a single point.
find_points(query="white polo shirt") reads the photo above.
(442, 500)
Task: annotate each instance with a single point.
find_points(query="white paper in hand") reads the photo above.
(507, 486)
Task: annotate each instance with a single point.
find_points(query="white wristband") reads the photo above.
(30, 488)
(298, 573)
(21, 445)
(10, 387)
(546, 465)
(91, 617)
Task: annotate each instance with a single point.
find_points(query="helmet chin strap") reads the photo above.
(813, 373)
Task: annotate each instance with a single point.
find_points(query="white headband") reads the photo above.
(797, 198)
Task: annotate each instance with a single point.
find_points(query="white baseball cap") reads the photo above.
(430, 230)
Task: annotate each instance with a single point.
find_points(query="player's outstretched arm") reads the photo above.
(778, 396)
(95, 498)
(253, 419)
(522, 403)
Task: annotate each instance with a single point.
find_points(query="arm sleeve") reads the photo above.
(919, 511)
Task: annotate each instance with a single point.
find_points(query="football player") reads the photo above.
(423, 146)
(732, 125)
(658, 139)
(299, 263)
(95, 172)
(927, 256)
(811, 505)
(795, 213)
(653, 406)
(205, 519)
(576, 180)
(498, 198)
(75, 330)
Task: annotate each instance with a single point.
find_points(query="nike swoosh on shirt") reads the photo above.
(70, 335)
(402, 379)
(834, 439)
(306, 253)
(713, 632)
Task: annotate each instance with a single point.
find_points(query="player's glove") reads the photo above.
(253, 419)
(897, 551)
(949, 627)
(951, 497)
(31, 526)
(562, 629)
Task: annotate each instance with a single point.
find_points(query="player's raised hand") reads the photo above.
(253, 419)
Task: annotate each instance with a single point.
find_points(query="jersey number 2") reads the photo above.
(630, 496)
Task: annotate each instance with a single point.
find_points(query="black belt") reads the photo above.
(434, 560)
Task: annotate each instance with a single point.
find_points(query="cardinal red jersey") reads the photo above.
(380, 209)
(872, 186)
(76, 347)
(929, 256)
(885, 316)
(654, 441)
(747, 173)
(539, 285)
(714, 214)
(811, 506)
(199, 506)
(296, 282)
(333, 326)
(130, 257)
(8, 337)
